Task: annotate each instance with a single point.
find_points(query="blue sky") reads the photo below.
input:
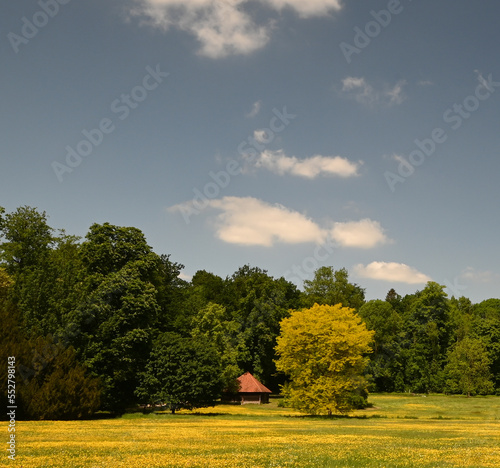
(280, 133)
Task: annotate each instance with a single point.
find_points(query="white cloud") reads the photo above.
(306, 8)
(364, 234)
(223, 27)
(395, 94)
(249, 221)
(262, 136)
(279, 163)
(471, 274)
(394, 272)
(256, 106)
(364, 93)
(185, 277)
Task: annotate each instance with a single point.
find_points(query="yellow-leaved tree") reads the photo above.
(323, 352)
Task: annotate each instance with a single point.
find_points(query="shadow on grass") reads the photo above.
(335, 416)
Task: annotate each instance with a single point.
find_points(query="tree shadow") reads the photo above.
(335, 416)
(169, 413)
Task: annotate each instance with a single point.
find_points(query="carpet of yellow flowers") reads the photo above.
(400, 431)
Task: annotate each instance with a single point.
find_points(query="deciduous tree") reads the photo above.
(427, 338)
(386, 366)
(322, 349)
(332, 287)
(181, 373)
(468, 368)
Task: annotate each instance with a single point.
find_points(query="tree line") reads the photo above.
(105, 323)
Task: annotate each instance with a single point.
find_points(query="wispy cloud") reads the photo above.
(262, 136)
(306, 9)
(256, 106)
(478, 276)
(391, 271)
(279, 163)
(364, 234)
(364, 93)
(224, 28)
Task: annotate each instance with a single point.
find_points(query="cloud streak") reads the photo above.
(361, 91)
(256, 106)
(224, 27)
(478, 276)
(310, 168)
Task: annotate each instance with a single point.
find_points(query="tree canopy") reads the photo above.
(332, 287)
(113, 309)
(181, 373)
(322, 349)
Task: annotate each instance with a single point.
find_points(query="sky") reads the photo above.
(283, 134)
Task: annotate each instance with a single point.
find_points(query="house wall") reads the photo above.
(250, 398)
(246, 398)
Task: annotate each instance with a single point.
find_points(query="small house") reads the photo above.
(250, 391)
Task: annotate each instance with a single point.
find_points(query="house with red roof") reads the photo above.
(250, 391)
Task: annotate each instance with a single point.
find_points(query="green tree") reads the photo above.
(50, 382)
(468, 368)
(117, 319)
(172, 294)
(25, 254)
(258, 302)
(332, 287)
(322, 350)
(108, 248)
(46, 269)
(210, 324)
(386, 367)
(209, 287)
(461, 318)
(117, 326)
(28, 238)
(6, 282)
(427, 331)
(181, 373)
(486, 327)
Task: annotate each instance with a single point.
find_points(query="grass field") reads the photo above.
(399, 431)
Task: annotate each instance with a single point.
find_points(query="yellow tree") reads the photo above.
(322, 349)
(5, 283)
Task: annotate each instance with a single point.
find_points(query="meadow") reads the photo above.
(398, 431)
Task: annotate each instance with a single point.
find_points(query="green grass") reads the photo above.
(399, 431)
(434, 406)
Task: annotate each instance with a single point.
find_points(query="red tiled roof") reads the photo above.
(249, 384)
